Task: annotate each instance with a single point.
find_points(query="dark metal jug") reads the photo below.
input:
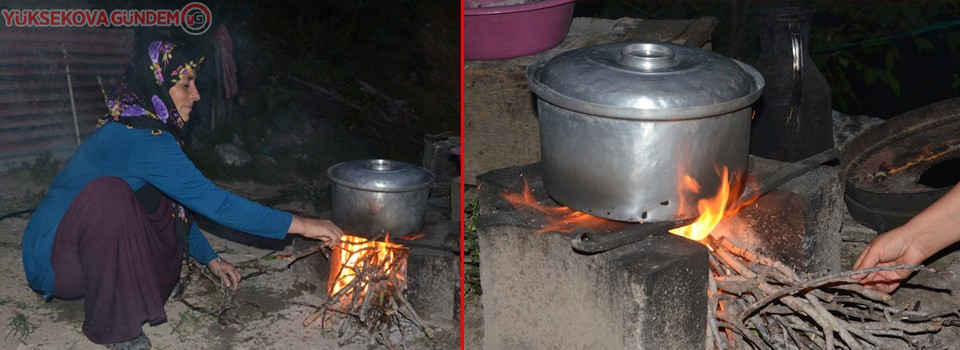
(793, 119)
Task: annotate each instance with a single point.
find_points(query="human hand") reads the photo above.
(226, 271)
(932, 230)
(900, 246)
(324, 230)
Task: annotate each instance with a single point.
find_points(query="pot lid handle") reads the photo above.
(647, 57)
(380, 165)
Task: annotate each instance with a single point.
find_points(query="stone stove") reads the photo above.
(646, 295)
(650, 294)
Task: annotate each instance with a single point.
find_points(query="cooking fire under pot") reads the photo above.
(622, 125)
(374, 197)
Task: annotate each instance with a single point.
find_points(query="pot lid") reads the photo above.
(380, 175)
(645, 81)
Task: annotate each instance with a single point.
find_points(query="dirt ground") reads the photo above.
(282, 299)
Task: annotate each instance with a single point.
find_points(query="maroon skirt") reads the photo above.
(122, 260)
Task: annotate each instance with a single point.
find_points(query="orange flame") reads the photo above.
(355, 251)
(559, 219)
(712, 210)
(413, 236)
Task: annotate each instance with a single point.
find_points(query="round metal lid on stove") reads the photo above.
(380, 175)
(645, 81)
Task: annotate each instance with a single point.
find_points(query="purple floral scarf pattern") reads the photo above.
(143, 92)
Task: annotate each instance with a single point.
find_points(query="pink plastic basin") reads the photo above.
(499, 32)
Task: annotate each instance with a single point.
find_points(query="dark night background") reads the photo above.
(305, 73)
(881, 58)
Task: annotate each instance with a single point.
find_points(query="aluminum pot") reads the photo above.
(622, 126)
(373, 197)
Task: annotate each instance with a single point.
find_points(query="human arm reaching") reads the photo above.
(323, 230)
(932, 230)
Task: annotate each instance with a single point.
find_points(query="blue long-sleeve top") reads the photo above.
(139, 157)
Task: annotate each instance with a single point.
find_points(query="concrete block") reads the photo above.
(539, 294)
(433, 285)
(798, 223)
(433, 274)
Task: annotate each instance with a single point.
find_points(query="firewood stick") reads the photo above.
(712, 300)
(826, 300)
(842, 277)
(758, 326)
(366, 303)
(925, 327)
(410, 313)
(785, 326)
(313, 317)
(313, 250)
(835, 325)
(739, 335)
(788, 336)
(754, 256)
(863, 291)
(794, 303)
(852, 313)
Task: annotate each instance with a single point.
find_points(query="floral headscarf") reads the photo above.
(142, 96)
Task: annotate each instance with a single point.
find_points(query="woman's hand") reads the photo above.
(934, 229)
(896, 247)
(323, 230)
(226, 271)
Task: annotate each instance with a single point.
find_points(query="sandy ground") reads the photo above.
(275, 325)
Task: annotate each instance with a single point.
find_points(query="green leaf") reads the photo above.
(870, 75)
(843, 61)
(923, 44)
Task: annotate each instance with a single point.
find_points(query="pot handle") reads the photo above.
(647, 57)
(796, 43)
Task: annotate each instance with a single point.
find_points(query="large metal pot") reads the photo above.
(622, 125)
(373, 197)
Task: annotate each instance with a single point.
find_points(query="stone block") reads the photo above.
(433, 285)
(539, 294)
(798, 223)
(433, 274)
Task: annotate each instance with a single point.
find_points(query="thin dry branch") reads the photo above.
(758, 302)
(371, 303)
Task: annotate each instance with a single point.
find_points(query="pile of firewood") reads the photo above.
(758, 302)
(371, 304)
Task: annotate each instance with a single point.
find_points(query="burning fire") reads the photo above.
(560, 219)
(712, 210)
(357, 254)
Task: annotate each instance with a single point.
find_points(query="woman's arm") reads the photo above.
(932, 230)
(324, 230)
(158, 160)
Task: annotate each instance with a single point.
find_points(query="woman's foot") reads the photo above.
(138, 343)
